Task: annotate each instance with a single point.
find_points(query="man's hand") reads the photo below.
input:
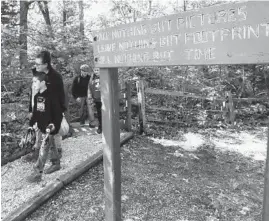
(78, 99)
(90, 100)
(50, 128)
(35, 126)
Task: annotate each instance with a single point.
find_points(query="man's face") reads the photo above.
(40, 66)
(83, 73)
(96, 71)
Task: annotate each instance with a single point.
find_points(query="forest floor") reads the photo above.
(194, 175)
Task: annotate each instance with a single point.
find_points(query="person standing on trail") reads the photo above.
(94, 96)
(79, 92)
(47, 115)
(55, 87)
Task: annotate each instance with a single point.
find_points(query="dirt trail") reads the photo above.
(219, 179)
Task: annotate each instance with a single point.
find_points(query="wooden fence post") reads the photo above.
(231, 108)
(265, 209)
(141, 105)
(111, 139)
(128, 121)
(228, 108)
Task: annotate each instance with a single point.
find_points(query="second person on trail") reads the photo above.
(94, 97)
(79, 92)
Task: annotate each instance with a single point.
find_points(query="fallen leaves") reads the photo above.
(206, 184)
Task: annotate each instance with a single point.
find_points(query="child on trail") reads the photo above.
(79, 92)
(47, 114)
(94, 97)
(55, 86)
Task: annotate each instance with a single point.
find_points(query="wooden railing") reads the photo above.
(227, 104)
(126, 108)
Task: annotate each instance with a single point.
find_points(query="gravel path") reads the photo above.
(15, 190)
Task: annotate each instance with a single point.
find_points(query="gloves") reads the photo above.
(35, 126)
(50, 128)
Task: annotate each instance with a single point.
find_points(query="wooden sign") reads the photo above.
(236, 33)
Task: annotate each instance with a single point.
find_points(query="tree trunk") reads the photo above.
(81, 23)
(24, 6)
(185, 5)
(43, 6)
(45, 12)
(150, 7)
(64, 13)
(64, 20)
(134, 16)
(81, 18)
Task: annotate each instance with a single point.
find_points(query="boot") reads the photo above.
(31, 157)
(99, 130)
(35, 177)
(60, 151)
(91, 125)
(54, 167)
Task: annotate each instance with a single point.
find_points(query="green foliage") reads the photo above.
(9, 12)
(123, 12)
(70, 48)
(9, 37)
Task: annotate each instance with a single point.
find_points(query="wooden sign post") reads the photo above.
(111, 131)
(265, 209)
(234, 33)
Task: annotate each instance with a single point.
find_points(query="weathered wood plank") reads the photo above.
(164, 92)
(128, 121)
(162, 108)
(111, 137)
(81, 168)
(178, 94)
(150, 119)
(141, 105)
(265, 209)
(219, 34)
(184, 94)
